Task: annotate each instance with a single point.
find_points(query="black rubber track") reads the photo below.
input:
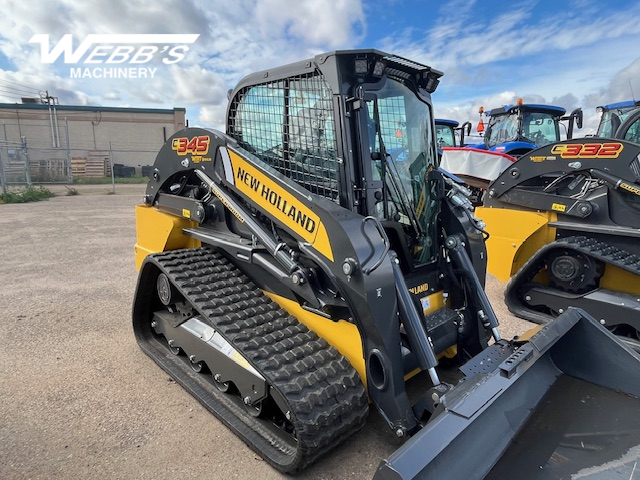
(594, 249)
(326, 398)
(590, 247)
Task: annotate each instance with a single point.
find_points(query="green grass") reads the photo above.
(107, 180)
(27, 194)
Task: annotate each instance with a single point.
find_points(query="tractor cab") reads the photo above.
(445, 132)
(450, 134)
(614, 115)
(518, 129)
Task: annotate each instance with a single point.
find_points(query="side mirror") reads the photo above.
(577, 113)
(575, 118)
(436, 185)
(465, 130)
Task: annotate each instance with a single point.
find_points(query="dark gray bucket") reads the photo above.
(565, 402)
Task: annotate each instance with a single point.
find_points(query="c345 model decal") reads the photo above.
(281, 204)
(587, 150)
(197, 147)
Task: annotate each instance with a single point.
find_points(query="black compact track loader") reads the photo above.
(565, 225)
(310, 264)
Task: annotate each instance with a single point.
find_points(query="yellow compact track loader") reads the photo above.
(310, 263)
(564, 222)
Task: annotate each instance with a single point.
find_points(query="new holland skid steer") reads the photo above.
(309, 264)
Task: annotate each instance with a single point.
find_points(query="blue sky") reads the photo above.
(571, 53)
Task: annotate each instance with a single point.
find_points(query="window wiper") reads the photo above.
(402, 195)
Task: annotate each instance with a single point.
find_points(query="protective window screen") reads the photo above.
(393, 125)
(289, 125)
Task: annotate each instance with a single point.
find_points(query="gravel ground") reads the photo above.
(78, 399)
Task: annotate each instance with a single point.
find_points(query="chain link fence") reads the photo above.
(24, 163)
(21, 164)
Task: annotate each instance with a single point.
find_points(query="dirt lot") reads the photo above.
(78, 399)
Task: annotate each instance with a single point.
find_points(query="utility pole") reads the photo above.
(25, 155)
(53, 117)
(3, 179)
(113, 180)
(68, 172)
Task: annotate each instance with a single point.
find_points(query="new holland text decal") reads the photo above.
(419, 289)
(281, 204)
(630, 188)
(197, 147)
(588, 150)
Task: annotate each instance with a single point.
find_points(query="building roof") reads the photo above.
(88, 108)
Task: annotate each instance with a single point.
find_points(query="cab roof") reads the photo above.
(529, 107)
(444, 121)
(611, 106)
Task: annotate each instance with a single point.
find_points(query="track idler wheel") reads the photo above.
(573, 272)
(166, 291)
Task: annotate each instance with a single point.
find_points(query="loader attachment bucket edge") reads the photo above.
(480, 418)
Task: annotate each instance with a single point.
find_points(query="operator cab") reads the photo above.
(355, 127)
(614, 115)
(397, 126)
(445, 133)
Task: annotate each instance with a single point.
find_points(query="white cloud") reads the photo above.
(236, 38)
(564, 59)
(334, 24)
(194, 85)
(517, 34)
(212, 116)
(111, 96)
(625, 85)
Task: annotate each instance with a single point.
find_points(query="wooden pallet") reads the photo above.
(78, 166)
(96, 164)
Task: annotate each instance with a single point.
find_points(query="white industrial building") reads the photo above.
(62, 140)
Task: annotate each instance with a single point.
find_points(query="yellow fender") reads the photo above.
(158, 232)
(515, 235)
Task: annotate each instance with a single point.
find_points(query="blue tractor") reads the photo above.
(620, 120)
(446, 133)
(518, 129)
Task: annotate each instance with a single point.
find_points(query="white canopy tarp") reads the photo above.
(476, 163)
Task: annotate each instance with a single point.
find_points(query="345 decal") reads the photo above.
(587, 150)
(198, 145)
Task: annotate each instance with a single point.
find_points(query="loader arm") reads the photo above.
(535, 170)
